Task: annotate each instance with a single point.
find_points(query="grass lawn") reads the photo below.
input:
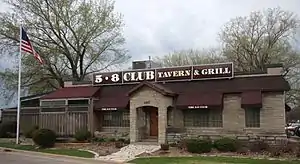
(207, 160)
(69, 152)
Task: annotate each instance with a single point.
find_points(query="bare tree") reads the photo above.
(259, 39)
(190, 57)
(264, 37)
(74, 37)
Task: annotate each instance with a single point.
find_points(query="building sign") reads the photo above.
(105, 109)
(197, 107)
(185, 73)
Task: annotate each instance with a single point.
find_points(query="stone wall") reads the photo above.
(272, 118)
(149, 97)
(177, 137)
(113, 132)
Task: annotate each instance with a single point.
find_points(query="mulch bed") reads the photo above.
(103, 148)
(176, 152)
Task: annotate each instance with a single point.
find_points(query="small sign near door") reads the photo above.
(197, 106)
(108, 109)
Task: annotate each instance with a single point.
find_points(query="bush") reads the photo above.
(99, 139)
(29, 133)
(112, 140)
(199, 146)
(8, 128)
(127, 141)
(182, 144)
(119, 144)
(45, 138)
(258, 146)
(82, 135)
(121, 140)
(275, 151)
(226, 145)
(164, 147)
(173, 144)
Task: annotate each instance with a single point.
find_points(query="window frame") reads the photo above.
(203, 118)
(118, 118)
(254, 114)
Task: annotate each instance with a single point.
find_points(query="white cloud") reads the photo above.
(155, 27)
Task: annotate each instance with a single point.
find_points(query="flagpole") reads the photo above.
(19, 90)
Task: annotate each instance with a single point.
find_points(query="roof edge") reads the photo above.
(152, 86)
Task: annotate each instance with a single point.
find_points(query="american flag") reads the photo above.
(27, 47)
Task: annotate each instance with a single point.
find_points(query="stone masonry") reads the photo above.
(148, 97)
(272, 120)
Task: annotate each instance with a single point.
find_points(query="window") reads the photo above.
(53, 103)
(79, 102)
(115, 118)
(203, 117)
(170, 117)
(78, 109)
(252, 117)
(53, 110)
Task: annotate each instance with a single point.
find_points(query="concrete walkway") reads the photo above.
(129, 152)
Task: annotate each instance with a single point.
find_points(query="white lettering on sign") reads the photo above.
(108, 108)
(98, 78)
(199, 72)
(174, 73)
(197, 107)
(115, 77)
(139, 76)
(212, 71)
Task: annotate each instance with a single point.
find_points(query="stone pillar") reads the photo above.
(133, 128)
(162, 124)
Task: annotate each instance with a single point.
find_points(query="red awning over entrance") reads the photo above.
(200, 100)
(251, 99)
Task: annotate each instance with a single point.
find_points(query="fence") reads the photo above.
(63, 123)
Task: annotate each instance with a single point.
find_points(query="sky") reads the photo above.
(157, 27)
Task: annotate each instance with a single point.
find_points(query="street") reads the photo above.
(24, 158)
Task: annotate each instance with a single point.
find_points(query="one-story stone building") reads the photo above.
(166, 104)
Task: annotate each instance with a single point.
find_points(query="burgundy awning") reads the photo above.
(200, 100)
(251, 99)
(112, 103)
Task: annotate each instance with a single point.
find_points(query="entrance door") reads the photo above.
(154, 122)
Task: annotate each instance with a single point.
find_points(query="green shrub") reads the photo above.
(226, 145)
(119, 144)
(199, 146)
(99, 139)
(45, 138)
(29, 133)
(164, 147)
(112, 140)
(127, 141)
(259, 146)
(7, 129)
(121, 140)
(82, 135)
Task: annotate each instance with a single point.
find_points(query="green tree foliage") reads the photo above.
(74, 37)
(252, 42)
